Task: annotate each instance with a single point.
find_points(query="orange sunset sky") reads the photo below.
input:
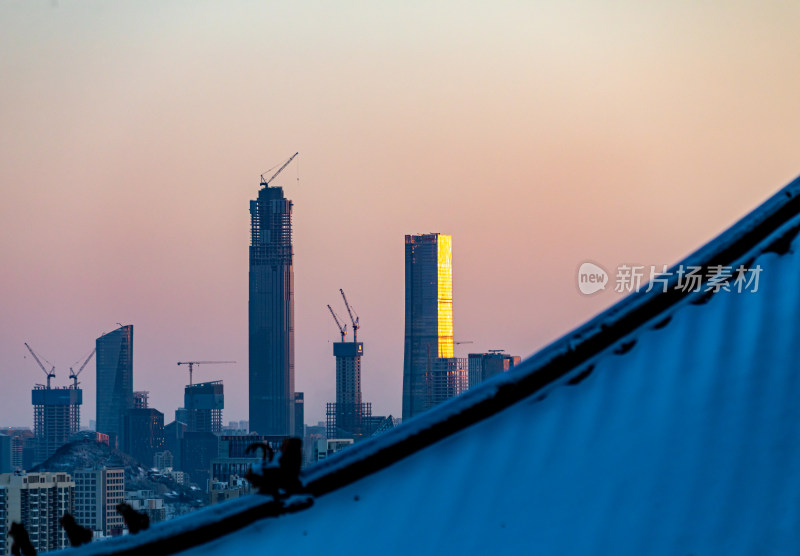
(539, 134)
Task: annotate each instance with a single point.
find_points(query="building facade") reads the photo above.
(146, 502)
(325, 447)
(428, 316)
(56, 418)
(447, 379)
(5, 454)
(197, 451)
(204, 403)
(483, 366)
(173, 441)
(97, 493)
(299, 415)
(143, 434)
(271, 315)
(23, 444)
(114, 381)
(345, 418)
(37, 501)
(163, 460)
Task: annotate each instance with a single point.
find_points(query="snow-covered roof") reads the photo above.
(669, 424)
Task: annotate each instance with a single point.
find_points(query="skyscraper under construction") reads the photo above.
(431, 373)
(271, 313)
(56, 412)
(349, 417)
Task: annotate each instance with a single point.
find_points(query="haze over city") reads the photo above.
(539, 136)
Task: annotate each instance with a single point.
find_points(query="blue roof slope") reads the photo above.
(666, 424)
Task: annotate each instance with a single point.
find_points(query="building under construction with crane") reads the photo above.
(56, 411)
(204, 402)
(271, 312)
(349, 416)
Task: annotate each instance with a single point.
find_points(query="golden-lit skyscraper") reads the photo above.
(429, 318)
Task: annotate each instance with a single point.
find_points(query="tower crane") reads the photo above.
(342, 329)
(266, 182)
(350, 312)
(193, 363)
(51, 373)
(74, 376)
(465, 342)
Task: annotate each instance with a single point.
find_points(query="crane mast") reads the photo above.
(342, 329)
(356, 326)
(193, 363)
(74, 376)
(50, 374)
(266, 182)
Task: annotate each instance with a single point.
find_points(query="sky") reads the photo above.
(539, 134)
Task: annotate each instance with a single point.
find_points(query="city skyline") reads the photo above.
(538, 136)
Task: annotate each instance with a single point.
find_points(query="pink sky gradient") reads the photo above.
(538, 134)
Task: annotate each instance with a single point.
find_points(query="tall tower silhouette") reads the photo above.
(271, 314)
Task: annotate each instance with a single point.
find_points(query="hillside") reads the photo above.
(85, 453)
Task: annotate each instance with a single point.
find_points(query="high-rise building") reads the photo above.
(22, 447)
(483, 366)
(428, 318)
(143, 434)
(97, 493)
(37, 501)
(56, 417)
(271, 314)
(173, 441)
(204, 404)
(114, 381)
(197, 451)
(346, 417)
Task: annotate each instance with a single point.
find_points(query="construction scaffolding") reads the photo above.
(56, 418)
(348, 420)
(446, 378)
